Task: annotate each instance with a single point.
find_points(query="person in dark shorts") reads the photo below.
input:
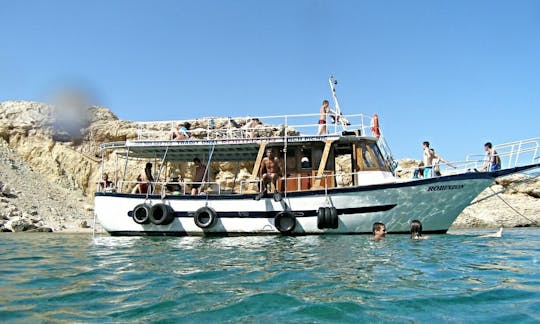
(200, 170)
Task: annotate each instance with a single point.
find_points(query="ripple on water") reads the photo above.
(450, 278)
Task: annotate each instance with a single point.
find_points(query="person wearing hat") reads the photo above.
(173, 186)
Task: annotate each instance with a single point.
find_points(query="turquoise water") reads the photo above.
(62, 278)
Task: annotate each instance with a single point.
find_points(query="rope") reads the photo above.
(505, 202)
(504, 189)
(327, 198)
(211, 152)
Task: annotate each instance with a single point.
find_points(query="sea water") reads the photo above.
(459, 277)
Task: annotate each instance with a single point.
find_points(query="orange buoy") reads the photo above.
(375, 131)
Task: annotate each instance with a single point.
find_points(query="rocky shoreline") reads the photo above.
(48, 173)
(30, 203)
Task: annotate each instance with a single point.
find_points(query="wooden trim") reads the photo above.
(322, 164)
(260, 155)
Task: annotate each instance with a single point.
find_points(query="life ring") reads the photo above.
(161, 214)
(375, 130)
(205, 217)
(285, 222)
(141, 214)
(321, 218)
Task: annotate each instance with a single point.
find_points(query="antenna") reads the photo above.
(333, 83)
(336, 113)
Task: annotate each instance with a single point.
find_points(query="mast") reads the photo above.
(332, 83)
(336, 113)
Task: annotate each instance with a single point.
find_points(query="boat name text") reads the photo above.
(446, 187)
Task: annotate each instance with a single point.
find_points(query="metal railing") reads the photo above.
(159, 187)
(269, 126)
(512, 154)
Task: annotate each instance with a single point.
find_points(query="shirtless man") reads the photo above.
(427, 158)
(270, 171)
(493, 161)
(200, 169)
(322, 117)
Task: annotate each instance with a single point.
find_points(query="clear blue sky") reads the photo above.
(457, 73)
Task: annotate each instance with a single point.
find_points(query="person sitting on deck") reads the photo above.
(104, 184)
(269, 172)
(174, 187)
(145, 181)
(141, 187)
(182, 132)
(249, 127)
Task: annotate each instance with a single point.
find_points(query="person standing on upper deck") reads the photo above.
(322, 117)
(427, 158)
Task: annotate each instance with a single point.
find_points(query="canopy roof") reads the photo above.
(220, 150)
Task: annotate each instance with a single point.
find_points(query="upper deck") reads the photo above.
(233, 139)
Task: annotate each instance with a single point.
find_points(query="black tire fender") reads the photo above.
(334, 220)
(285, 222)
(205, 217)
(321, 218)
(161, 214)
(141, 214)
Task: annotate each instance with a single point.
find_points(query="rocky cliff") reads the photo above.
(50, 156)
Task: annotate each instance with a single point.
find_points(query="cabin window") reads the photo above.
(377, 154)
(369, 157)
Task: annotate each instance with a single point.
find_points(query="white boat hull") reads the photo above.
(436, 202)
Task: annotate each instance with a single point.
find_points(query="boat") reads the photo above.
(340, 182)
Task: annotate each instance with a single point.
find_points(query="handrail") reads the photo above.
(236, 127)
(163, 184)
(512, 153)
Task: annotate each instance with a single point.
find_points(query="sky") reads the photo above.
(455, 73)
